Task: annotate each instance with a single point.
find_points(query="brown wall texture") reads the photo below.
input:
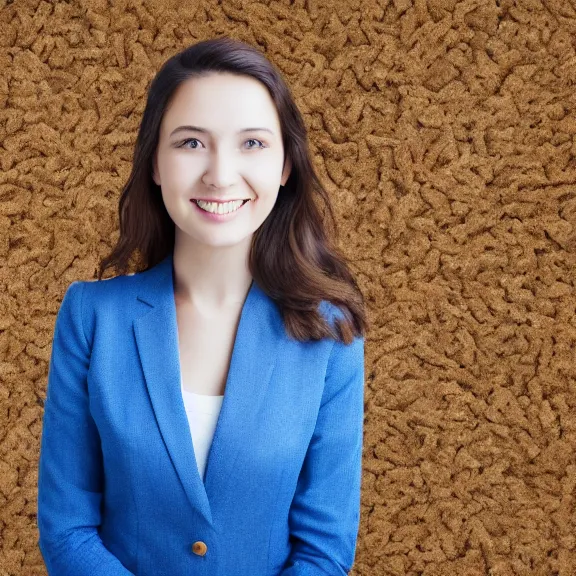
(445, 131)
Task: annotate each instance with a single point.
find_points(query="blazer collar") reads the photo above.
(253, 357)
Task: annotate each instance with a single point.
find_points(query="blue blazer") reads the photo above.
(119, 492)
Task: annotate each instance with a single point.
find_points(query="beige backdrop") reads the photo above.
(445, 132)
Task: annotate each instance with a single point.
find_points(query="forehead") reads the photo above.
(221, 102)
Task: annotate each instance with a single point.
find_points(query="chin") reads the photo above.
(222, 240)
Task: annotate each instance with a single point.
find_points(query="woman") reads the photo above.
(205, 415)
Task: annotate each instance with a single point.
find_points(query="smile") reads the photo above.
(219, 211)
(220, 207)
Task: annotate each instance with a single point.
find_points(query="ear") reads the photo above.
(286, 172)
(155, 176)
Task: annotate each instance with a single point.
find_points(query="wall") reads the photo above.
(445, 132)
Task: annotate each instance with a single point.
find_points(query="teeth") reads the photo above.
(219, 207)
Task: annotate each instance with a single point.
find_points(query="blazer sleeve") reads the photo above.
(324, 515)
(70, 473)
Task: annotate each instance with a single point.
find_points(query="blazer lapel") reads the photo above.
(253, 357)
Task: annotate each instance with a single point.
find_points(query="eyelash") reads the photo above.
(184, 142)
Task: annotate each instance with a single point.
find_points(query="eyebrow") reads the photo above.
(205, 131)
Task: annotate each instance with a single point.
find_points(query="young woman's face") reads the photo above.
(220, 140)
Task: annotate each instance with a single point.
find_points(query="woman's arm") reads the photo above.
(70, 468)
(325, 513)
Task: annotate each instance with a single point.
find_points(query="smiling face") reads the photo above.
(220, 140)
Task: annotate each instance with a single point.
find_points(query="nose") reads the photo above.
(221, 170)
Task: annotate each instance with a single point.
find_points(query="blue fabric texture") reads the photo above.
(119, 491)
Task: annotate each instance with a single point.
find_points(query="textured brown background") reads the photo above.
(445, 131)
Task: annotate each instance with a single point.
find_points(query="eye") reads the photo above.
(184, 142)
(254, 140)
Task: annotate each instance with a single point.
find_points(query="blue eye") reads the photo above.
(184, 143)
(254, 140)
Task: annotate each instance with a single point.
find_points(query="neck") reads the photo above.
(209, 278)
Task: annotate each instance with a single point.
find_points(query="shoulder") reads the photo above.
(95, 288)
(106, 304)
(104, 298)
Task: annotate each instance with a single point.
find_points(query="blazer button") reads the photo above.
(199, 548)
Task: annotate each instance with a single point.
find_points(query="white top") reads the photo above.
(202, 411)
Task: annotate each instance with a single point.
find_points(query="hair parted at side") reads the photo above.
(291, 258)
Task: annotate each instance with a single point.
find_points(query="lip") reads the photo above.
(220, 201)
(210, 216)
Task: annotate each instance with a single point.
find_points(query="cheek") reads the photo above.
(266, 167)
(263, 177)
(263, 208)
(179, 170)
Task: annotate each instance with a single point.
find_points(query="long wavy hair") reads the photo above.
(292, 258)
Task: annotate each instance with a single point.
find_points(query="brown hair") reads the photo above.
(291, 257)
